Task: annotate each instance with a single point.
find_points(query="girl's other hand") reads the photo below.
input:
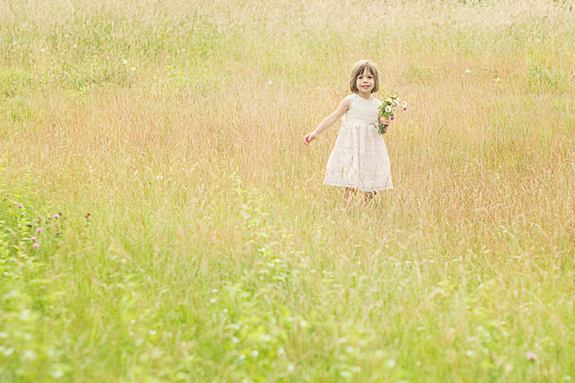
(309, 138)
(383, 120)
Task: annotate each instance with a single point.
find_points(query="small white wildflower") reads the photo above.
(133, 68)
(290, 368)
(467, 71)
(124, 61)
(183, 49)
(153, 332)
(214, 290)
(255, 353)
(57, 374)
(212, 300)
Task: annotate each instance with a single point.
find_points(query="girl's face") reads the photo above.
(365, 83)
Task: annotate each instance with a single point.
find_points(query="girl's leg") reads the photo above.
(348, 197)
(368, 196)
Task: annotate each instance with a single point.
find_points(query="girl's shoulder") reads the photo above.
(348, 101)
(376, 101)
(349, 97)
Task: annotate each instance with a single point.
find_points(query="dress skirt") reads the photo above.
(359, 159)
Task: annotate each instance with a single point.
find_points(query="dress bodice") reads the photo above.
(362, 110)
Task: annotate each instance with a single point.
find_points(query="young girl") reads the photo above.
(359, 160)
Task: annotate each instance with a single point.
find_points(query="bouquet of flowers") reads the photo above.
(387, 109)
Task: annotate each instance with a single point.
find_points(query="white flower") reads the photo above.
(124, 61)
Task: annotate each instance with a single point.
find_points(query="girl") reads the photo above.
(359, 160)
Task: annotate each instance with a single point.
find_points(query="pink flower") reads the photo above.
(33, 239)
(531, 355)
(39, 230)
(20, 205)
(36, 245)
(392, 117)
(56, 216)
(48, 217)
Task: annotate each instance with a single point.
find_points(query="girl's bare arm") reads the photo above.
(329, 120)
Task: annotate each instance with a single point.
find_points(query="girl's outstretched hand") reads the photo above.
(309, 138)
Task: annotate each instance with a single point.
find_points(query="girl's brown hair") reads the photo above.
(358, 69)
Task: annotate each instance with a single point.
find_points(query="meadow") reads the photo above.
(162, 221)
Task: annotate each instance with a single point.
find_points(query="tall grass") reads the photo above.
(195, 241)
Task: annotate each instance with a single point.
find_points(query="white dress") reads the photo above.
(359, 159)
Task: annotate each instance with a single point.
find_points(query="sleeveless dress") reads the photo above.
(359, 159)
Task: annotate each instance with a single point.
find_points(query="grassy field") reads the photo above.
(162, 221)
